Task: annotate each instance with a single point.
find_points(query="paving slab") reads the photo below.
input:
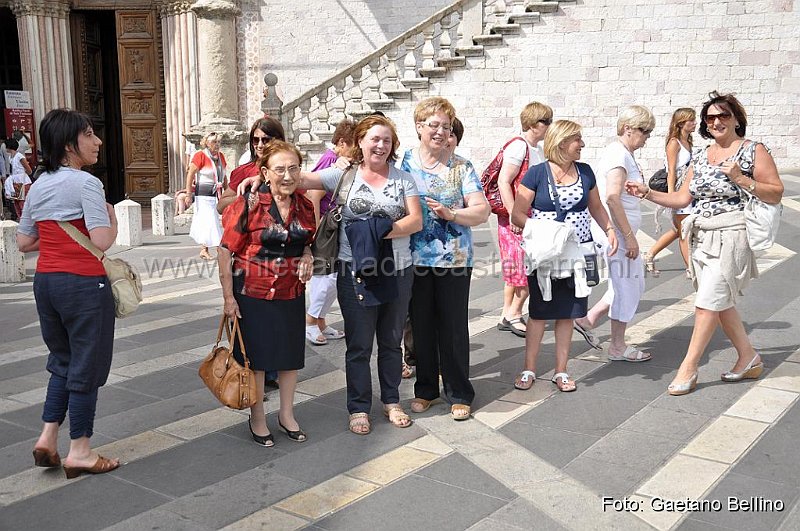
(458, 471)
(555, 446)
(519, 514)
(607, 479)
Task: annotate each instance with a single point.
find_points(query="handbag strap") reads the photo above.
(73, 232)
(233, 333)
(349, 175)
(560, 214)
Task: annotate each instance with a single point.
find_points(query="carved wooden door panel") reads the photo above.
(140, 100)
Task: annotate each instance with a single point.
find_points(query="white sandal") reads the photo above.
(631, 354)
(315, 336)
(332, 333)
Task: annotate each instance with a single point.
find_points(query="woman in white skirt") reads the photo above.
(625, 268)
(206, 177)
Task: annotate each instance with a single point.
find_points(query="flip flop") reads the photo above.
(525, 380)
(507, 325)
(562, 381)
(332, 333)
(587, 334)
(631, 354)
(313, 335)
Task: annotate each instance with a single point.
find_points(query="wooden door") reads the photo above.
(140, 102)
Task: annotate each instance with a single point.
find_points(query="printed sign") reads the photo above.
(18, 99)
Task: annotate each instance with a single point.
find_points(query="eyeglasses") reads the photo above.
(262, 140)
(435, 126)
(280, 171)
(723, 116)
(645, 131)
(547, 121)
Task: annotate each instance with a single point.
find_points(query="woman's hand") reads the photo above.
(251, 183)
(613, 244)
(343, 163)
(187, 200)
(305, 267)
(734, 173)
(439, 209)
(636, 188)
(631, 246)
(231, 308)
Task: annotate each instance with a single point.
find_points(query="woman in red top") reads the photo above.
(264, 262)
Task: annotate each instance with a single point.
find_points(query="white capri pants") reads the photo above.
(625, 278)
(322, 294)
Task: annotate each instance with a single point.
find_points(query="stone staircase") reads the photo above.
(404, 69)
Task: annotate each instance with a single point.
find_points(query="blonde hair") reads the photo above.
(533, 113)
(635, 117)
(430, 106)
(680, 117)
(556, 134)
(208, 137)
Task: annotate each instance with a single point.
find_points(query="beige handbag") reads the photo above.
(126, 286)
(232, 384)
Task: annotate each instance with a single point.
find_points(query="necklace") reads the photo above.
(564, 174)
(720, 154)
(422, 164)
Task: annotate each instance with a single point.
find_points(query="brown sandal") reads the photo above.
(46, 458)
(397, 416)
(359, 423)
(420, 405)
(460, 411)
(101, 466)
(408, 372)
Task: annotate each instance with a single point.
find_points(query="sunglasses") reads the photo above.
(548, 121)
(723, 116)
(645, 131)
(261, 140)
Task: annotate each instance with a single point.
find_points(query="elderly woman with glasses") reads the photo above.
(721, 178)
(206, 177)
(452, 202)
(264, 262)
(625, 268)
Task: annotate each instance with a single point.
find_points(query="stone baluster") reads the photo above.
(445, 40)
(12, 261)
(338, 106)
(322, 129)
(162, 208)
(354, 106)
(470, 24)
(390, 85)
(500, 12)
(304, 125)
(373, 80)
(428, 51)
(129, 223)
(518, 7)
(410, 60)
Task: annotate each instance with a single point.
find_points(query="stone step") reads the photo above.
(453, 62)
(358, 115)
(542, 7)
(488, 40)
(470, 51)
(416, 83)
(325, 136)
(525, 18)
(506, 29)
(398, 93)
(381, 104)
(314, 145)
(435, 72)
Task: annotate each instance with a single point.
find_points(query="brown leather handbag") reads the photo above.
(232, 384)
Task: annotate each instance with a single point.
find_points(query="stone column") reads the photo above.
(129, 223)
(45, 53)
(219, 94)
(12, 261)
(162, 208)
(179, 39)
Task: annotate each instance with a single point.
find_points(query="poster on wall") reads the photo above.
(18, 116)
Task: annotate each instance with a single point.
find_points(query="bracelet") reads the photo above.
(647, 193)
(630, 233)
(609, 228)
(453, 211)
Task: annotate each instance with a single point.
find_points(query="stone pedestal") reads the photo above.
(162, 208)
(129, 223)
(12, 261)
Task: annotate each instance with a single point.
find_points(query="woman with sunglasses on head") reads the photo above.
(264, 262)
(452, 202)
(678, 160)
(263, 131)
(206, 176)
(519, 154)
(625, 268)
(722, 262)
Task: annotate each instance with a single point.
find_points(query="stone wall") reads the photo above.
(305, 42)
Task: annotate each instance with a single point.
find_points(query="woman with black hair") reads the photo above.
(73, 295)
(264, 262)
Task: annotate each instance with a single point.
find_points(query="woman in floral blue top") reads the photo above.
(452, 202)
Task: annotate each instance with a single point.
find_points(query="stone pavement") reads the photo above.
(611, 455)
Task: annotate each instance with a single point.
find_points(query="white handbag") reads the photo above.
(762, 220)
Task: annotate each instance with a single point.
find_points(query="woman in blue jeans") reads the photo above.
(383, 199)
(73, 295)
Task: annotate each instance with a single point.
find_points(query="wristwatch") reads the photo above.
(752, 187)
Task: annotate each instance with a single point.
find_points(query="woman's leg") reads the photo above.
(55, 411)
(424, 328)
(508, 299)
(705, 323)
(288, 382)
(389, 333)
(563, 333)
(520, 296)
(662, 243)
(684, 245)
(452, 305)
(258, 420)
(733, 327)
(533, 342)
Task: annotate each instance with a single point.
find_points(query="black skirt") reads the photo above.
(273, 332)
(564, 304)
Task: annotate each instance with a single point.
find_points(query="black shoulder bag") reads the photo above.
(326, 240)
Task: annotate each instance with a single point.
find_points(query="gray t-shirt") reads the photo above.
(64, 195)
(365, 201)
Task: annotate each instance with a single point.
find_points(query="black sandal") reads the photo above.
(508, 326)
(297, 435)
